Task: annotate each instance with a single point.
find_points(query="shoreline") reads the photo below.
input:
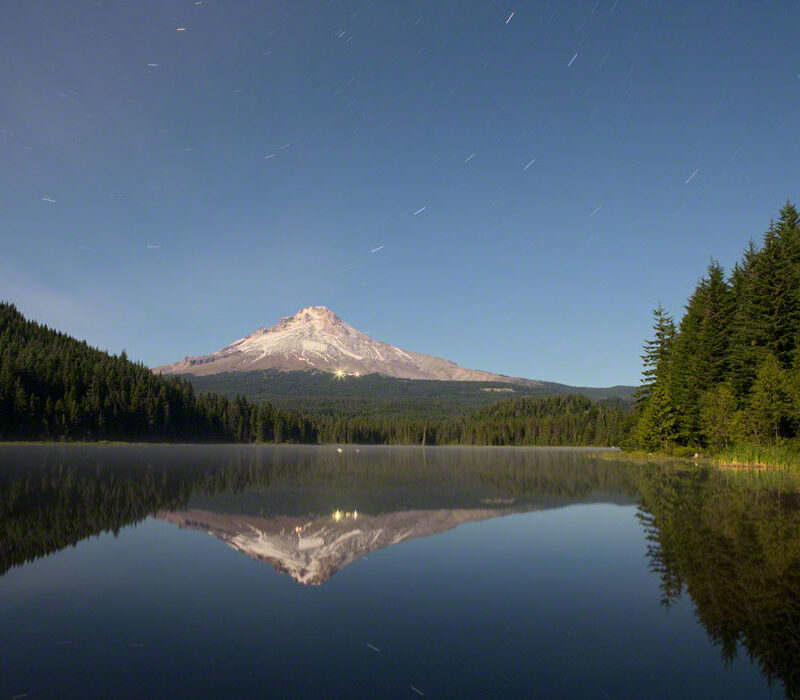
(783, 460)
(599, 449)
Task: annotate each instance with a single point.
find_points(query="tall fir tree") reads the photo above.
(656, 352)
(657, 427)
(767, 298)
(701, 354)
(783, 284)
(748, 335)
(713, 341)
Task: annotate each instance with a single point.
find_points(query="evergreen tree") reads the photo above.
(769, 409)
(701, 354)
(748, 335)
(781, 281)
(657, 427)
(713, 342)
(656, 352)
(767, 297)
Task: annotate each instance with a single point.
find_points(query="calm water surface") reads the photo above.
(392, 572)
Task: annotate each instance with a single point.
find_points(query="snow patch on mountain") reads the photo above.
(316, 338)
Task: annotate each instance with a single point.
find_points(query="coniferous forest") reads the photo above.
(53, 387)
(729, 372)
(726, 374)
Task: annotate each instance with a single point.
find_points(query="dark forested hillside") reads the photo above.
(729, 372)
(318, 393)
(54, 387)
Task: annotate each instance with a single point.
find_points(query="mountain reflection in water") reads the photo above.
(377, 498)
(729, 540)
(312, 549)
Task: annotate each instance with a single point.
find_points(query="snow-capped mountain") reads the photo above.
(316, 338)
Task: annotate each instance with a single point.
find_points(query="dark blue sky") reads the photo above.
(537, 183)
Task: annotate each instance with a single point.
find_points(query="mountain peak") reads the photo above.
(316, 338)
(313, 313)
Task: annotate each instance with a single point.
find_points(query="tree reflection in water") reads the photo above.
(732, 542)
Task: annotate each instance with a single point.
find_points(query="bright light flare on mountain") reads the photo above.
(340, 374)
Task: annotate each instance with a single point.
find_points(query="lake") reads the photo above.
(300, 571)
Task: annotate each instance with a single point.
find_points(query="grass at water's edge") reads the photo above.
(761, 456)
(744, 456)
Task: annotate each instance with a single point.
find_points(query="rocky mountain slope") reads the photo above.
(316, 338)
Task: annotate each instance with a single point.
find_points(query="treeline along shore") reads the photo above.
(724, 379)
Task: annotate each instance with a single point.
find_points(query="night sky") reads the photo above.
(514, 192)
